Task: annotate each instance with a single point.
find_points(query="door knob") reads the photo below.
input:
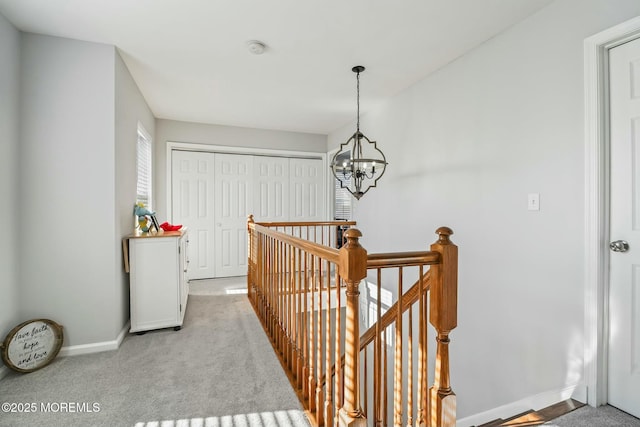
(619, 246)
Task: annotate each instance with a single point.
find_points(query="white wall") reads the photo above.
(67, 187)
(9, 105)
(198, 133)
(130, 108)
(465, 146)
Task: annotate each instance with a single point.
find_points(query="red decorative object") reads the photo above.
(168, 227)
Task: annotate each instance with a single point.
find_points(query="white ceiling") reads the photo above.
(191, 62)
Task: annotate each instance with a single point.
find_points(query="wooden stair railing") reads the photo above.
(307, 296)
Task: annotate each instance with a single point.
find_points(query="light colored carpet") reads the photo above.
(219, 370)
(604, 416)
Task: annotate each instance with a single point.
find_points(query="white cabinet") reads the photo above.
(158, 282)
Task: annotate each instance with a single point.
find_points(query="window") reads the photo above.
(342, 202)
(143, 156)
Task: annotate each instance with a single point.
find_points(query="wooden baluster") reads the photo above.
(422, 353)
(338, 356)
(287, 297)
(268, 287)
(365, 382)
(274, 293)
(377, 356)
(263, 266)
(293, 311)
(397, 363)
(443, 316)
(312, 354)
(277, 296)
(410, 370)
(285, 307)
(300, 327)
(319, 338)
(279, 293)
(305, 330)
(328, 405)
(385, 389)
(290, 327)
(353, 268)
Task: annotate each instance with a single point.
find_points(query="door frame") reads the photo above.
(597, 176)
(210, 148)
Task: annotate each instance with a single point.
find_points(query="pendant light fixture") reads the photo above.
(358, 164)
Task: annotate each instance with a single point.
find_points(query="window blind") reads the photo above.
(342, 202)
(143, 156)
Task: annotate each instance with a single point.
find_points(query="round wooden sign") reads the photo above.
(32, 345)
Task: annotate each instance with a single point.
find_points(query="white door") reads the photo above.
(624, 276)
(271, 189)
(233, 203)
(307, 195)
(192, 206)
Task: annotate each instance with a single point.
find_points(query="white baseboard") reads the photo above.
(76, 350)
(538, 401)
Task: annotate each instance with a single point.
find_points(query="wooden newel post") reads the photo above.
(353, 268)
(444, 318)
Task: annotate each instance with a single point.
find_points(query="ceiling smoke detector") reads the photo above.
(256, 47)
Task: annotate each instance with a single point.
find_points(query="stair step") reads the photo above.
(501, 421)
(534, 418)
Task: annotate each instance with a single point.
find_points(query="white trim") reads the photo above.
(596, 54)
(536, 402)
(210, 148)
(76, 350)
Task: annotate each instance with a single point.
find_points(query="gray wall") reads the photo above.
(465, 146)
(130, 108)
(79, 110)
(198, 133)
(9, 105)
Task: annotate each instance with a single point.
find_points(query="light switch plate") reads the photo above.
(533, 201)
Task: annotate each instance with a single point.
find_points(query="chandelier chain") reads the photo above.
(358, 101)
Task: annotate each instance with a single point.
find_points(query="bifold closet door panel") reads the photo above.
(271, 189)
(233, 203)
(307, 190)
(192, 189)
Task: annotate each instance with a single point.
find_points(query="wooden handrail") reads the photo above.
(324, 252)
(402, 259)
(306, 224)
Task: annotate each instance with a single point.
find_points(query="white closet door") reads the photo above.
(233, 203)
(624, 273)
(271, 188)
(307, 195)
(192, 206)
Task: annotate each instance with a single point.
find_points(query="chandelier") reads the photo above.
(358, 164)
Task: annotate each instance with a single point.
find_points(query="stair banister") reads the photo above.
(353, 268)
(444, 318)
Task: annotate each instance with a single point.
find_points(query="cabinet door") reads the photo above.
(183, 269)
(154, 283)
